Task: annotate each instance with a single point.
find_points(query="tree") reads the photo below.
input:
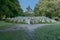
(45, 7)
(29, 11)
(10, 8)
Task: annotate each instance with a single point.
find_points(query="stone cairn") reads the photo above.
(31, 20)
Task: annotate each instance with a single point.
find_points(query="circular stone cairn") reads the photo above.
(35, 20)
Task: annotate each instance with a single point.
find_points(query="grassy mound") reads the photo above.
(50, 32)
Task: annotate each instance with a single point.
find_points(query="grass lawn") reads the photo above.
(4, 25)
(12, 35)
(49, 32)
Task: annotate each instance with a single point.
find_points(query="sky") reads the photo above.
(26, 3)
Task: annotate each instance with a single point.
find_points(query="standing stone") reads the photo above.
(28, 21)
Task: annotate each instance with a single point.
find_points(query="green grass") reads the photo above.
(12, 35)
(44, 23)
(49, 32)
(4, 25)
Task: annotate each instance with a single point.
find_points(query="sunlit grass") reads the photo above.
(49, 32)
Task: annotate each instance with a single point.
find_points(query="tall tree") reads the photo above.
(10, 8)
(49, 8)
(29, 11)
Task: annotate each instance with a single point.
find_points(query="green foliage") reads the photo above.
(28, 12)
(49, 32)
(10, 8)
(45, 7)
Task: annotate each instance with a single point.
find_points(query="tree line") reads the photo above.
(48, 8)
(12, 8)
